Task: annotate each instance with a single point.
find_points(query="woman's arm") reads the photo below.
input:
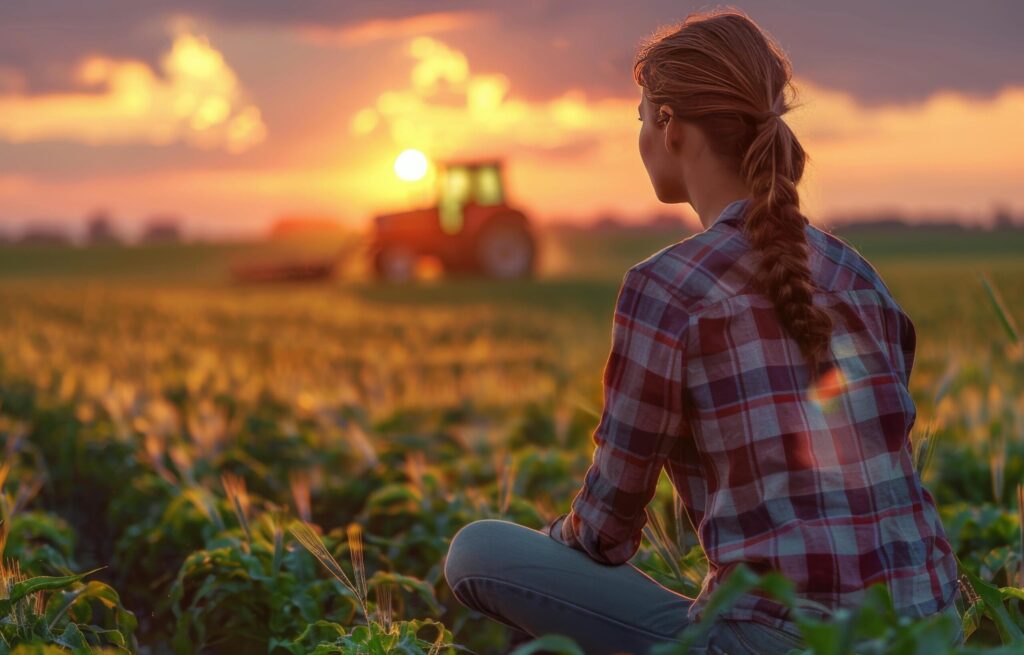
(640, 423)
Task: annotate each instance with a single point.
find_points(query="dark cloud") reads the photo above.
(44, 39)
(880, 51)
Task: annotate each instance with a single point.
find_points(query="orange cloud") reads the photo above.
(391, 28)
(572, 155)
(449, 111)
(446, 109)
(949, 152)
(568, 156)
(199, 100)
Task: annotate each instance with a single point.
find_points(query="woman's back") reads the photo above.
(817, 481)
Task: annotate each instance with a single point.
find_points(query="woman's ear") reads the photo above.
(673, 130)
(665, 112)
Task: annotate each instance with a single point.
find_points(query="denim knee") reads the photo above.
(473, 549)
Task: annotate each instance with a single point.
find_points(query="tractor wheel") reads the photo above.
(505, 249)
(395, 263)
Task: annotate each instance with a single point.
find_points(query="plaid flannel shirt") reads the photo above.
(816, 482)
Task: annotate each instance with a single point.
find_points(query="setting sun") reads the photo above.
(411, 165)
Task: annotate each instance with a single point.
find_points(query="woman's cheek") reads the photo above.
(645, 145)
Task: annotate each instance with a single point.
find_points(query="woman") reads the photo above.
(762, 362)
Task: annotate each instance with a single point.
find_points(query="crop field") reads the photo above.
(191, 466)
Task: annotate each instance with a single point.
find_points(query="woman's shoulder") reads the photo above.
(717, 263)
(840, 266)
(693, 267)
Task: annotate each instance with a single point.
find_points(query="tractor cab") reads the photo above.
(462, 183)
(470, 229)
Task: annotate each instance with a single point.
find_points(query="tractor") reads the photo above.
(471, 229)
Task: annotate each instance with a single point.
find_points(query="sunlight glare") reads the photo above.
(411, 165)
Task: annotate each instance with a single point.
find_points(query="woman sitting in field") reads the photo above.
(762, 363)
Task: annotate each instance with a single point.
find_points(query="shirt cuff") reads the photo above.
(555, 529)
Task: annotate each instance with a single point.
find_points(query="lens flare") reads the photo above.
(825, 391)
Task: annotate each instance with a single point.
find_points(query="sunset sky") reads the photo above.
(231, 113)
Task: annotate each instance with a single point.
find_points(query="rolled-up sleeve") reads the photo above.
(901, 337)
(641, 422)
(908, 344)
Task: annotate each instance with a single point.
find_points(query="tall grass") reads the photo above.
(1006, 319)
(306, 535)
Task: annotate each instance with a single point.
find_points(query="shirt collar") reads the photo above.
(733, 212)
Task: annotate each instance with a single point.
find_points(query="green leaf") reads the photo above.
(39, 583)
(739, 582)
(73, 638)
(1012, 592)
(1005, 318)
(421, 588)
(1009, 632)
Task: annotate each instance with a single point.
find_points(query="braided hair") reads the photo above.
(721, 72)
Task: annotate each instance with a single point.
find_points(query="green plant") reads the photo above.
(249, 586)
(380, 634)
(61, 611)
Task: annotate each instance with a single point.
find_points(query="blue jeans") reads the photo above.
(526, 580)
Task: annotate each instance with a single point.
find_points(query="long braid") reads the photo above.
(775, 227)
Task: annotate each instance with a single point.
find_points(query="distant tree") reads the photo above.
(1003, 219)
(665, 221)
(161, 230)
(100, 230)
(43, 235)
(894, 223)
(300, 226)
(608, 222)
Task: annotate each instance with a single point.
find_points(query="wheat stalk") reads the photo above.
(1004, 315)
(234, 487)
(355, 549)
(382, 594)
(507, 483)
(1020, 520)
(310, 540)
(299, 483)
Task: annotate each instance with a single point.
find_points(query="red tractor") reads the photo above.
(471, 229)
